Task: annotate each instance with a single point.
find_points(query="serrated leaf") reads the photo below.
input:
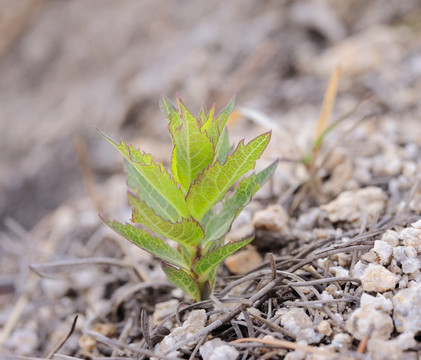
(207, 262)
(220, 223)
(171, 114)
(223, 116)
(209, 126)
(215, 181)
(193, 149)
(182, 280)
(186, 232)
(215, 126)
(153, 183)
(152, 244)
(223, 148)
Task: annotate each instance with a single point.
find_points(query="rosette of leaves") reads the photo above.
(178, 203)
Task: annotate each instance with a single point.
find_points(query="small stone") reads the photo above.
(379, 302)
(411, 237)
(324, 328)
(411, 265)
(339, 271)
(251, 311)
(384, 252)
(341, 341)
(403, 282)
(217, 349)
(359, 269)
(377, 278)
(365, 319)
(401, 253)
(380, 349)
(243, 261)
(344, 260)
(370, 256)
(405, 341)
(351, 206)
(23, 341)
(194, 323)
(294, 319)
(407, 310)
(273, 218)
(87, 343)
(309, 336)
(162, 310)
(391, 237)
(417, 224)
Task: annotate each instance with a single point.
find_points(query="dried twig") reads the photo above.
(63, 340)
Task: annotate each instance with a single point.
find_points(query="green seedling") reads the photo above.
(178, 204)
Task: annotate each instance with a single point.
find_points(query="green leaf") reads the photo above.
(182, 280)
(186, 232)
(153, 183)
(193, 149)
(208, 262)
(223, 148)
(152, 244)
(215, 126)
(215, 181)
(171, 114)
(220, 223)
(223, 116)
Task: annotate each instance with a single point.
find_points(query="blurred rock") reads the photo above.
(350, 206)
(366, 320)
(377, 278)
(273, 218)
(407, 311)
(243, 261)
(217, 349)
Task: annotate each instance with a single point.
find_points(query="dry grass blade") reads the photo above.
(287, 345)
(328, 102)
(63, 340)
(44, 270)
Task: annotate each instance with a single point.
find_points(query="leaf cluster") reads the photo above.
(178, 203)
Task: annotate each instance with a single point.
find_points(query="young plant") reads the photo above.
(178, 204)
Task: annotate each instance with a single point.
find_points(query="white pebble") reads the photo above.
(194, 323)
(401, 253)
(411, 237)
(411, 265)
(217, 349)
(294, 319)
(377, 278)
(391, 237)
(309, 336)
(379, 302)
(352, 205)
(23, 341)
(365, 319)
(359, 269)
(384, 252)
(407, 310)
(339, 271)
(341, 341)
(274, 218)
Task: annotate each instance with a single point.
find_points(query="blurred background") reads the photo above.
(68, 66)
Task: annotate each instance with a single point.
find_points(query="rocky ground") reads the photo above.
(335, 268)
